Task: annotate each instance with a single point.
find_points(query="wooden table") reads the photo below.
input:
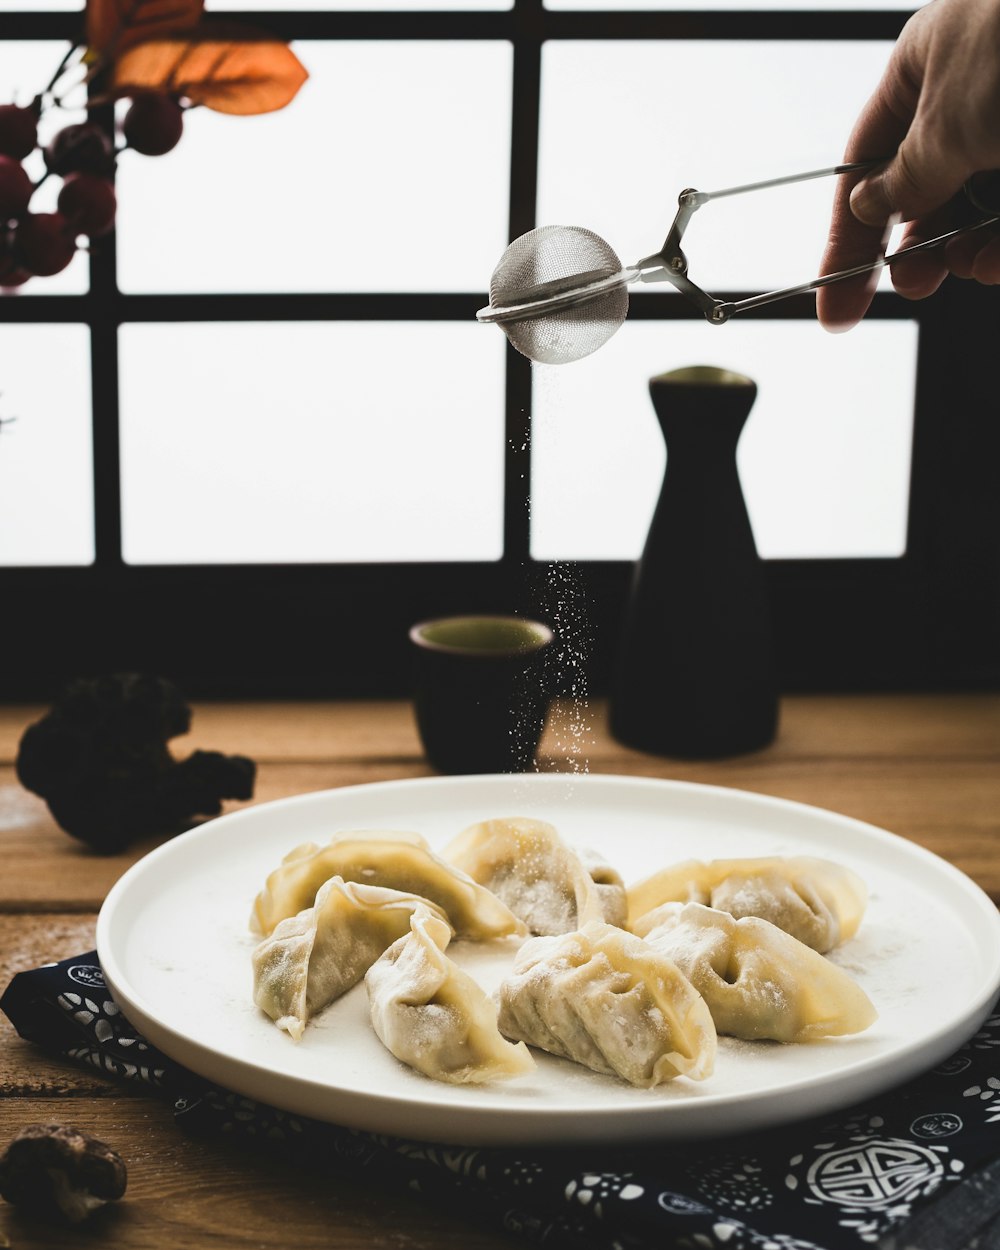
(926, 767)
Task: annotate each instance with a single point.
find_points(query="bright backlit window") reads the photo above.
(267, 393)
(598, 166)
(325, 442)
(46, 456)
(388, 172)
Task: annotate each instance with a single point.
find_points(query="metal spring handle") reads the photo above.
(670, 264)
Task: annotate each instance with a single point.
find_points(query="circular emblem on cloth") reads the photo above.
(86, 974)
(937, 1124)
(953, 1066)
(876, 1173)
(681, 1204)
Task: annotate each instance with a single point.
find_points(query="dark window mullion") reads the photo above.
(103, 317)
(107, 464)
(531, 17)
(678, 24)
(41, 25)
(298, 306)
(523, 198)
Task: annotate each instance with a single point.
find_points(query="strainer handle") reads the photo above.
(721, 312)
(670, 264)
(852, 167)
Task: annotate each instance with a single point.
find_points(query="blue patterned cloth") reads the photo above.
(916, 1169)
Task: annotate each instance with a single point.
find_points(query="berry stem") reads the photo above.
(63, 64)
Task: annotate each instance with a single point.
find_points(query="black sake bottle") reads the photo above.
(694, 675)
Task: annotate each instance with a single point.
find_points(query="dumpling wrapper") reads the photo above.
(607, 1000)
(433, 1017)
(542, 880)
(310, 959)
(395, 860)
(610, 887)
(758, 981)
(815, 900)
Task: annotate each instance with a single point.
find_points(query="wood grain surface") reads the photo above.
(926, 767)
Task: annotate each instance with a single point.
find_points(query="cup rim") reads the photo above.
(543, 634)
(704, 375)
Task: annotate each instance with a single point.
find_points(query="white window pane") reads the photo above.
(754, 5)
(824, 458)
(388, 172)
(46, 451)
(25, 68)
(337, 6)
(670, 115)
(311, 441)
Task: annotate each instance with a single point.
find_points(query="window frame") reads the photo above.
(926, 620)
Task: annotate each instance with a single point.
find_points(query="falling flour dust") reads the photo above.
(560, 597)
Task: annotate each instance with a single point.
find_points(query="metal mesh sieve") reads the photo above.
(560, 292)
(547, 262)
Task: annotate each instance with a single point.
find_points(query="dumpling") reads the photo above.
(758, 981)
(398, 861)
(433, 1016)
(816, 901)
(608, 885)
(312, 958)
(607, 1000)
(541, 879)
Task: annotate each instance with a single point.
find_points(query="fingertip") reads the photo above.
(841, 305)
(915, 292)
(834, 314)
(869, 203)
(837, 327)
(918, 283)
(986, 265)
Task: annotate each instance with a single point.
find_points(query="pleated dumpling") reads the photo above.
(758, 981)
(312, 958)
(541, 879)
(398, 861)
(605, 999)
(432, 1016)
(608, 885)
(819, 902)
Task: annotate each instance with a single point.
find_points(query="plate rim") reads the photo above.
(379, 1109)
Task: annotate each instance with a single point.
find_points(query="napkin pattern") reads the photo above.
(916, 1169)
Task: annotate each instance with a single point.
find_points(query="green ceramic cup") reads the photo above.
(479, 691)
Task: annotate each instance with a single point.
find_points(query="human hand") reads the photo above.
(938, 107)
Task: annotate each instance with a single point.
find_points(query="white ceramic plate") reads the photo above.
(175, 947)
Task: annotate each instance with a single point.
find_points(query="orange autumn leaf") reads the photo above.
(244, 77)
(114, 25)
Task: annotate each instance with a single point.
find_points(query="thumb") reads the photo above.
(910, 185)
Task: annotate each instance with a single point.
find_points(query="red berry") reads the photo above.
(18, 130)
(14, 278)
(153, 124)
(88, 203)
(11, 274)
(7, 258)
(44, 243)
(83, 147)
(15, 188)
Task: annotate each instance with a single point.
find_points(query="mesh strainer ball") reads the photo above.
(548, 262)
